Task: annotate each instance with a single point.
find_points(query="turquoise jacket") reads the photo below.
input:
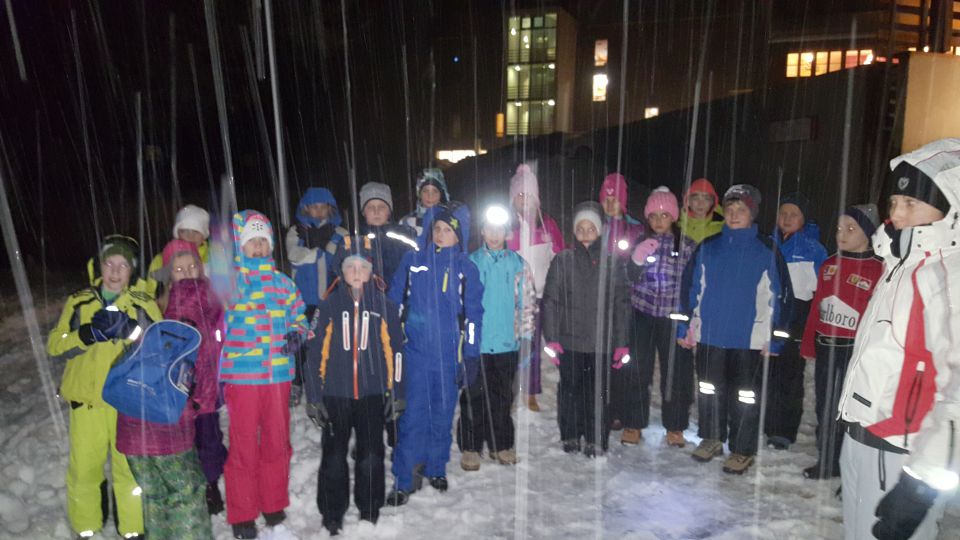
(509, 299)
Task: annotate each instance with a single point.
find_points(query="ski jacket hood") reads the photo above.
(318, 195)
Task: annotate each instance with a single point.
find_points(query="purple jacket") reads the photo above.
(191, 301)
(656, 285)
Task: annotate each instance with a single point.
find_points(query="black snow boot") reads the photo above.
(275, 518)
(214, 499)
(571, 447)
(819, 472)
(397, 497)
(439, 483)
(334, 526)
(371, 516)
(245, 530)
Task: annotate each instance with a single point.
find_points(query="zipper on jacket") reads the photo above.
(913, 401)
(356, 380)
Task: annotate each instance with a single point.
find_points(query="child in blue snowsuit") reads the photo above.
(439, 293)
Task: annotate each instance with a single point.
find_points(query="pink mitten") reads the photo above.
(554, 350)
(621, 356)
(643, 250)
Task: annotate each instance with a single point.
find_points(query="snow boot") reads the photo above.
(532, 403)
(571, 446)
(591, 450)
(631, 436)
(737, 464)
(397, 497)
(214, 499)
(245, 530)
(334, 526)
(507, 457)
(296, 393)
(274, 518)
(675, 438)
(372, 516)
(708, 449)
(439, 483)
(778, 443)
(470, 461)
(819, 472)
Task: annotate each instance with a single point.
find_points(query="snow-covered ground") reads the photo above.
(647, 491)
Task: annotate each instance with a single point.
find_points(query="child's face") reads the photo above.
(524, 204)
(494, 236)
(184, 266)
(660, 222)
(256, 248)
(850, 237)
(789, 219)
(356, 273)
(700, 204)
(737, 215)
(190, 235)
(320, 211)
(376, 213)
(611, 206)
(116, 272)
(443, 235)
(429, 196)
(909, 212)
(586, 233)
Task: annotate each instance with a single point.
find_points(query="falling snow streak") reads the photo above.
(16, 42)
(213, 41)
(277, 122)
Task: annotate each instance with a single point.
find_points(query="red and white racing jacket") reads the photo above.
(903, 381)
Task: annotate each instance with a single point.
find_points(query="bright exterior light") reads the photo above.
(807, 57)
(926, 48)
(516, 68)
(551, 102)
(600, 87)
(453, 156)
(650, 112)
(526, 39)
(517, 104)
(551, 65)
(496, 215)
(869, 59)
(513, 31)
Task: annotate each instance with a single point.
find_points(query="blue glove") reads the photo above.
(903, 508)
(293, 344)
(467, 374)
(113, 324)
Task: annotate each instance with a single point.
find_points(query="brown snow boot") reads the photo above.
(737, 464)
(708, 449)
(675, 438)
(631, 436)
(532, 403)
(470, 461)
(507, 457)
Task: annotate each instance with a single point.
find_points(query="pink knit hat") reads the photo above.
(176, 247)
(524, 181)
(616, 185)
(662, 200)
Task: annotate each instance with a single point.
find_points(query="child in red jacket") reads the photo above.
(844, 287)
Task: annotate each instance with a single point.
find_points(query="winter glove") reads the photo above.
(318, 237)
(643, 250)
(318, 413)
(393, 408)
(113, 323)
(293, 344)
(468, 374)
(90, 335)
(554, 350)
(903, 508)
(621, 356)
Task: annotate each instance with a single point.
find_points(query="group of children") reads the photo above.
(388, 329)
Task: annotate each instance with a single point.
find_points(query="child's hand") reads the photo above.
(553, 350)
(293, 344)
(621, 356)
(393, 408)
(643, 250)
(318, 413)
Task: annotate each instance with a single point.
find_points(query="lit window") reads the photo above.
(600, 52)
(650, 112)
(821, 66)
(866, 57)
(793, 60)
(850, 60)
(501, 125)
(835, 60)
(806, 64)
(453, 156)
(600, 87)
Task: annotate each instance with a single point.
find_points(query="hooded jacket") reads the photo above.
(265, 307)
(804, 254)
(572, 297)
(88, 365)
(415, 219)
(699, 229)
(903, 380)
(313, 266)
(355, 346)
(737, 292)
(509, 300)
(388, 243)
(620, 233)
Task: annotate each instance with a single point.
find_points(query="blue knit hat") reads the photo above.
(866, 215)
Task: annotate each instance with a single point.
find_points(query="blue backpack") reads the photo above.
(152, 380)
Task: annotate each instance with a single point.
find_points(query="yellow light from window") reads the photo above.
(821, 66)
(806, 64)
(926, 48)
(793, 59)
(600, 81)
(518, 104)
(836, 58)
(600, 52)
(516, 68)
(650, 112)
(501, 125)
(513, 31)
(807, 57)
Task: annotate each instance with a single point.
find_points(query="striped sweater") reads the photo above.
(265, 308)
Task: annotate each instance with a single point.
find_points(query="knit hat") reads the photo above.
(128, 248)
(614, 185)
(356, 257)
(700, 185)
(375, 190)
(799, 200)
(662, 200)
(176, 247)
(193, 218)
(912, 181)
(746, 194)
(866, 215)
(256, 226)
(434, 177)
(590, 211)
(524, 181)
(446, 216)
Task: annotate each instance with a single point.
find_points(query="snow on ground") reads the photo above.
(647, 491)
